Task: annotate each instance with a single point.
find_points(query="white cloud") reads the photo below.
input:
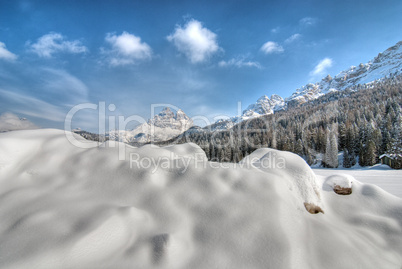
(292, 38)
(126, 49)
(321, 67)
(52, 43)
(6, 54)
(308, 21)
(271, 47)
(196, 42)
(239, 62)
(11, 122)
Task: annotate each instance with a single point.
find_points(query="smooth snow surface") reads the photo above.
(66, 207)
(386, 178)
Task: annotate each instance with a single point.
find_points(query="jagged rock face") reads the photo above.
(264, 106)
(163, 126)
(167, 119)
(164, 118)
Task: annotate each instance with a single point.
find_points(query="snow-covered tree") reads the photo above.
(331, 151)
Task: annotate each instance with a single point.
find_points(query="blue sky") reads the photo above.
(201, 56)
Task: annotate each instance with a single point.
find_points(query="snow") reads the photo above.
(263, 106)
(341, 180)
(299, 176)
(384, 177)
(67, 207)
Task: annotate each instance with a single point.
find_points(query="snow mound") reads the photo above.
(340, 183)
(341, 180)
(291, 168)
(68, 207)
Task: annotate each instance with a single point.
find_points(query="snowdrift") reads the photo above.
(67, 207)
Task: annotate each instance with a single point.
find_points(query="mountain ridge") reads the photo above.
(385, 64)
(167, 124)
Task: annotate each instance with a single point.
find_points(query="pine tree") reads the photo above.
(346, 159)
(362, 154)
(331, 151)
(299, 147)
(371, 157)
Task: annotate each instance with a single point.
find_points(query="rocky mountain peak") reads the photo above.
(264, 105)
(168, 119)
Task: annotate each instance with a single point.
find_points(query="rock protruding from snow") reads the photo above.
(341, 183)
(162, 126)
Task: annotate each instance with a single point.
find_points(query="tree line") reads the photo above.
(363, 122)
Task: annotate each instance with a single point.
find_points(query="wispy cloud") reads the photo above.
(308, 21)
(293, 38)
(41, 92)
(6, 54)
(32, 106)
(126, 49)
(275, 30)
(271, 47)
(321, 67)
(196, 42)
(60, 84)
(239, 63)
(52, 43)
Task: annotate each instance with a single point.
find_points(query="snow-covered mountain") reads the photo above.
(386, 64)
(162, 127)
(264, 106)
